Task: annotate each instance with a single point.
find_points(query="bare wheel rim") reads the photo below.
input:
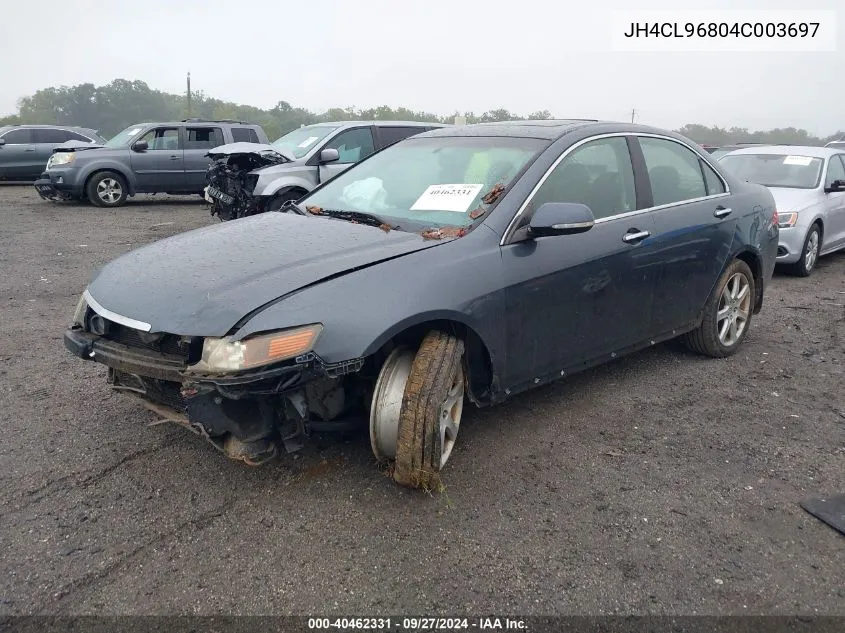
(109, 190)
(812, 251)
(734, 309)
(450, 415)
(387, 402)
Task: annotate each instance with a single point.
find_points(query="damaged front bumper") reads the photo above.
(247, 415)
(55, 188)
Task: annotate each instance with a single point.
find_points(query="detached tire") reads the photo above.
(727, 314)
(107, 189)
(432, 405)
(809, 253)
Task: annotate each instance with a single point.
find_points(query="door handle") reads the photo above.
(30, 149)
(175, 157)
(636, 236)
(721, 211)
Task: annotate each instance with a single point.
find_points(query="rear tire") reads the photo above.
(432, 406)
(107, 189)
(809, 253)
(727, 314)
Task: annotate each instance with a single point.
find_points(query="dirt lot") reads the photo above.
(663, 483)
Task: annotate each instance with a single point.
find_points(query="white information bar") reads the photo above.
(725, 30)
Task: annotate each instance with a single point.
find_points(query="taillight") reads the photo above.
(775, 217)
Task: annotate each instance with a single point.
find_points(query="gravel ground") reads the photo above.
(663, 483)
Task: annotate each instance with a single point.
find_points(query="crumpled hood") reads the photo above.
(75, 146)
(248, 148)
(794, 200)
(204, 281)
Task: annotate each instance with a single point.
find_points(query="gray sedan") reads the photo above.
(808, 184)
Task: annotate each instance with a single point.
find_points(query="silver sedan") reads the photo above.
(808, 184)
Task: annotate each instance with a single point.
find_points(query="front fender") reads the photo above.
(286, 182)
(363, 309)
(108, 165)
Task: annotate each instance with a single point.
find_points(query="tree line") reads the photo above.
(116, 105)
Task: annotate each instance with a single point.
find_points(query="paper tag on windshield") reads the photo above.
(309, 141)
(797, 160)
(134, 132)
(447, 198)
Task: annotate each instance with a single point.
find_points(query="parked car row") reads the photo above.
(461, 264)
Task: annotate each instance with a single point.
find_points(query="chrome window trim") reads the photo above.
(509, 230)
(114, 316)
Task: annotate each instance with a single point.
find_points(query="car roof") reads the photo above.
(547, 129)
(49, 127)
(380, 123)
(790, 150)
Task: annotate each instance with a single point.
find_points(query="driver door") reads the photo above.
(573, 299)
(834, 204)
(160, 167)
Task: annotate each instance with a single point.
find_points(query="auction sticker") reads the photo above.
(308, 142)
(447, 198)
(798, 160)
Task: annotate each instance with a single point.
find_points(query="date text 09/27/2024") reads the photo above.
(723, 29)
(417, 624)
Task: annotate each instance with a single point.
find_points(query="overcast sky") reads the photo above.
(439, 56)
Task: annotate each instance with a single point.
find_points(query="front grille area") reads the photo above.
(169, 344)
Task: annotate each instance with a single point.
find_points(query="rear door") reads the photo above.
(160, 167)
(353, 145)
(18, 160)
(199, 141)
(694, 222)
(834, 204)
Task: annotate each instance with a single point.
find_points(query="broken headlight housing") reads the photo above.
(223, 355)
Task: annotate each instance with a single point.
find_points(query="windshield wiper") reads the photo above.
(356, 217)
(291, 205)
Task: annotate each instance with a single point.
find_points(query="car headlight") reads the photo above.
(61, 158)
(226, 355)
(79, 313)
(787, 220)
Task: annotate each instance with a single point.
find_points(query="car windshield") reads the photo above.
(302, 140)
(775, 170)
(122, 139)
(433, 182)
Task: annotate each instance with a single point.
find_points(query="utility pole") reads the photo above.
(633, 114)
(189, 96)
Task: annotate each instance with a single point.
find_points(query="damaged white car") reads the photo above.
(249, 178)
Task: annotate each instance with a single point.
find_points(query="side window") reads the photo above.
(73, 136)
(203, 137)
(48, 135)
(391, 135)
(598, 174)
(162, 138)
(673, 170)
(18, 137)
(244, 135)
(712, 181)
(835, 170)
(352, 145)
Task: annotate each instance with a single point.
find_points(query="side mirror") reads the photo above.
(835, 186)
(561, 218)
(2, 142)
(140, 146)
(329, 155)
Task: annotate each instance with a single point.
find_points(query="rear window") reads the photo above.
(203, 137)
(244, 135)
